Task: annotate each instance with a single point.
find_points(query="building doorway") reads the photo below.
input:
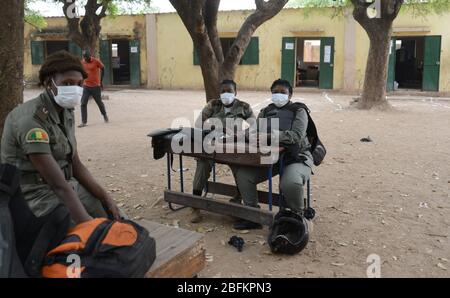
(120, 62)
(307, 62)
(409, 62)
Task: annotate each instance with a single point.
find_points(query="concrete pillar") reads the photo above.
(349, 52)
(152, 52)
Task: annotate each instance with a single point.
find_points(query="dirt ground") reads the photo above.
(389, 197)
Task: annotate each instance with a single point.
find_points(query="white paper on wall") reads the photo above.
(289, 46)
(327, 54)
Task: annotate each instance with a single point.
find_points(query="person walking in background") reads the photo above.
(92, 86)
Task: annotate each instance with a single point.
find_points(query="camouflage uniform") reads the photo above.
(215, 109)
(35, 127)
(295, 174)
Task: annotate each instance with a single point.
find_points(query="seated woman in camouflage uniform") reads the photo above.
(291, 133)
(39, 139)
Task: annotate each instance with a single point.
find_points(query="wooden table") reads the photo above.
(257, 215)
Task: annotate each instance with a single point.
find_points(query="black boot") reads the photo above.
(196, 192)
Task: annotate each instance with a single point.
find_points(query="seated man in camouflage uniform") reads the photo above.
(227, 107)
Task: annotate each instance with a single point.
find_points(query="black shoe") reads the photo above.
(247, 225)
(197, 192)
(82, 125)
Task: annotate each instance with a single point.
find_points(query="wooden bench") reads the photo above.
(179, 253)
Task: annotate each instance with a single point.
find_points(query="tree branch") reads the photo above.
(265, 11)
(73, 24)
(183, 10)
(105, 4)
(210, 12)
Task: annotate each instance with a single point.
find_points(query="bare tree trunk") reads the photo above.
(374, 92)
(200, 19)
(85, 32)
(11, 51)
(379, 31)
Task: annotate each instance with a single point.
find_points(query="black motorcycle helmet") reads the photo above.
(289, 233)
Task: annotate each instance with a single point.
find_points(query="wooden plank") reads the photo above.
(231, 190)
(179, 252)
(249, 213)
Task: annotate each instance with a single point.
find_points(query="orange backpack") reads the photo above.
(102, 248)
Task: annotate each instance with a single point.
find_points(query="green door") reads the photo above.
(105, 57)
(391, 66)
(326, 63)
(431, 63)
(288, 59)
(135, 63)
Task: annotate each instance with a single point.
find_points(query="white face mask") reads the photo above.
(68, 97)
(280, 99)
(227, 98)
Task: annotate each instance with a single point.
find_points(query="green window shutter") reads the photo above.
(135, 63)
(37, 52)
(251, 54)
(326, 73)
(105, 57)
(196, 58)
(288, 59)
(75, 49)
(391, 66)
(431, 63)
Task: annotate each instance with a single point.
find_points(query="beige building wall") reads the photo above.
(175, 48)
(127, 27)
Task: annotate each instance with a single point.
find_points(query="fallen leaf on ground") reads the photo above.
(338, 264)
(440, 265)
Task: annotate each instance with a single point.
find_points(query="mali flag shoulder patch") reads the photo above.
(37, 135)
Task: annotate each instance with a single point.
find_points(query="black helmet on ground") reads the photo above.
(289, 233)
